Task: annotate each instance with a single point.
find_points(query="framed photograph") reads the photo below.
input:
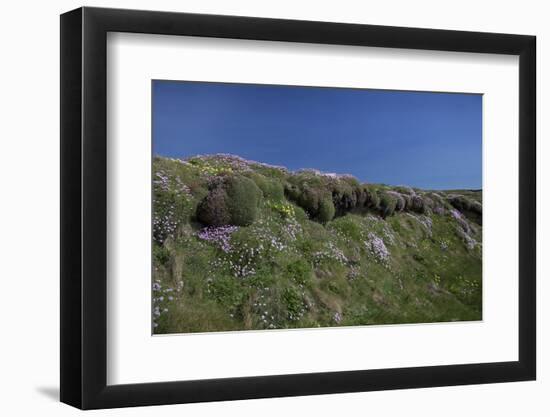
(257, 208)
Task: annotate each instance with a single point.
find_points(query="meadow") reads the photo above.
(243, 245)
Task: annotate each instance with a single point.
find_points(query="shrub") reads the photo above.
(344, 194)
(471, 208)
(300, 214)
(326, 210)
(362, 196)
(234, 201)
(403, 189)
(243, 198)
(271, 189)
(438, 205)
(373, 199)
(476, 207)
(460, 202)
(417, 204)
(388, 204)
(407, 199)
(399, 200)
(292, 192)
(309, 200)
(213, 210)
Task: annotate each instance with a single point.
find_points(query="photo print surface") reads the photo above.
(280, 207)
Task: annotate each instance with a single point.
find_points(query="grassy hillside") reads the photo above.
(243, 245)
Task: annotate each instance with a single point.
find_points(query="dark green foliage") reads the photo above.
(326, 210)
(388, 204)
(315, 200)
(470, 208)
(293, 303)
(272, 189)
(362, 196)
(161, 254)
(460, 202)
(299, 271)
(309, 200)
(346, 194)
(292, 192)
(373, 199)
(226, 291)
(243, 199)
(233, 201)
(476, 207)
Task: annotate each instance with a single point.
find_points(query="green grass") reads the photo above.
(291, 269)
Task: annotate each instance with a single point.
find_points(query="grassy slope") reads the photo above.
(286, 270)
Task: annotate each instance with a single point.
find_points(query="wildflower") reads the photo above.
(221, 236)
(377, 248)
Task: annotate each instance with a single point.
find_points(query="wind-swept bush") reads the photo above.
(326, 210)
(312, 196)
(399, 200)
(243, 200)
(403, 189)
(344, 196)
(309, 200)
(362, 196)
(417, 204)
(407, 199)
(439, 204)
(428, 205)
(233, 201)
(476, 207)
(388, 203)
(271, 189)
(213, 210)
(292, 192)
(460, 202)
(373, 199)
(471, 208)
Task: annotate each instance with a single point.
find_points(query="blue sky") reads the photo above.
(425, 140)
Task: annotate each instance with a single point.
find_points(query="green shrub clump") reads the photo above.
(388, 203)
(213, 210)
(316, 201)
(344, 195)
(272, 189)
(460, 203)
(373, 199)
(326, 210)
(233, 201)
(417, 204)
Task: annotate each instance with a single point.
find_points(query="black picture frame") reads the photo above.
(84, 207)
